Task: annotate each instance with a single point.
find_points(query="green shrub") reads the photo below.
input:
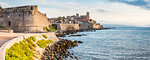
(46, 29)
(34, 45)
(30, 40)
(2, 28)
(50, 28)
(19, 51)
(45, 36)
(43, 43)
(31, 47)
(50, 41)
(33, 38)
(22, 50)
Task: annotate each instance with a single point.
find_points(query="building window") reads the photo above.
(9, 23)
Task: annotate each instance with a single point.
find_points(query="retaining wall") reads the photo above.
(8, 44)
(77, 26)
(7, 31)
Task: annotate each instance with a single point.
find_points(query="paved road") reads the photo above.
(4, 37)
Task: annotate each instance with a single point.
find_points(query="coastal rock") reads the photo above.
(78, 41)
(76, 35)
(59, 50)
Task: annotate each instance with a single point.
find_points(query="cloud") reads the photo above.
(110, 12)
(4, 4)
(101, 10)
(125, 12)
(130, 0)
(147, 0)
(141, 3)
(58, 4)
(121, 13)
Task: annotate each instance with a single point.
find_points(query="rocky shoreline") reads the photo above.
(59, 50)
(72, 31)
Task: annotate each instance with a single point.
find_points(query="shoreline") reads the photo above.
(59, 50)
(64, 33)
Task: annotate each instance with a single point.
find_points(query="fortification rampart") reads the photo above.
(23, 19)
(64, 27)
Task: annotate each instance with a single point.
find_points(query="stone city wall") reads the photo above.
(7, 31)
(77, 26)
(23, 19)
(85, 26)
(64, 27)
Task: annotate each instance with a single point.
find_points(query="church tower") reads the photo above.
(88, 15)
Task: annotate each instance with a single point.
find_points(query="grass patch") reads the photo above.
(43, 43)
(25, 49)
(30, 40)
(20, 51)
(33, 38)
(50, 41)
(45, 36)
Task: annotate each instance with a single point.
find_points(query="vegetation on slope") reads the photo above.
(45, 36)
(43, 43)
(25, 50)
(50, 28)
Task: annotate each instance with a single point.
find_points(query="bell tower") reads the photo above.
(88, 15)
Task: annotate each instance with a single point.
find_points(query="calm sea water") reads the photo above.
(122, 43)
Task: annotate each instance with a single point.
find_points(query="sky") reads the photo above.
(124, 12)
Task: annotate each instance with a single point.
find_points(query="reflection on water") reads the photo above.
(132, 43)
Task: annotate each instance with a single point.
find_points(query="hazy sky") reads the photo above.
(126, 12)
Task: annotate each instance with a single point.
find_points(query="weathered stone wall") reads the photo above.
(7, 31)
(23, 19)
(65, 26)
(76, 26)
(85, 26)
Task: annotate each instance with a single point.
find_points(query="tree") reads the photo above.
(0, 7)
(91, 20)
(63, 19)
(59, 18)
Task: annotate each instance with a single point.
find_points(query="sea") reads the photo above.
(121, 43)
